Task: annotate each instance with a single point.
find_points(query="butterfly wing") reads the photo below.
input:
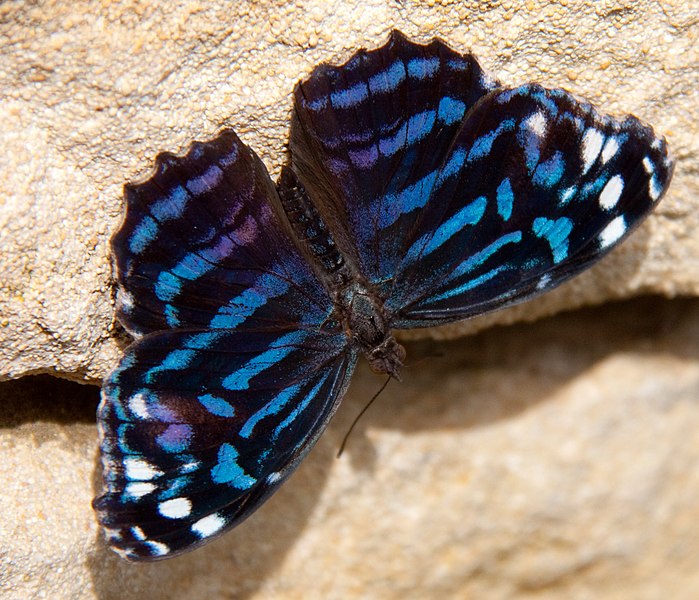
(535, 188)
(463, 197)
(202, 246)
(199, 428)
(237, 367)
(368, 137)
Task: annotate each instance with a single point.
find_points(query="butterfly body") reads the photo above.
(419, 192)
(358, 306)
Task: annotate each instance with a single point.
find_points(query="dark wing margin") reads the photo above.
(536, 187)
(368, 137)
(198, 429)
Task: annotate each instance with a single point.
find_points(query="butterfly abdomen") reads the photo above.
(312, 232)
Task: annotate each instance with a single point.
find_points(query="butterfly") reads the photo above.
(419, 192)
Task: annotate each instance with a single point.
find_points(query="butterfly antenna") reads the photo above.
(359, 416)
(419, 361)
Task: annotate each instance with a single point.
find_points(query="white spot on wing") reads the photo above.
(543, 282)
(612, 232)
(125, 300)
(137, 489)
(537, 123)
(610, 149)
(591, 146)
(176, 508)
(113, 535)
(138, 533)
(208, 525)
(274, 477)
(125, 553)
(140, 470)
(654, 188)
(137, 405)
(611, 192)
(648, 165)
(159, 549)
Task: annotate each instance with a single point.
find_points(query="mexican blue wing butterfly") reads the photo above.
(419, 192)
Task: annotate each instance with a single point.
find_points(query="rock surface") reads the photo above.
(521, 464)
(90, 92)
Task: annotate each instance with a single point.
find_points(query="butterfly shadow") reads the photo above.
(42, 398)
(497, 375)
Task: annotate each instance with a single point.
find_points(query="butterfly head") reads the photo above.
(387, 358)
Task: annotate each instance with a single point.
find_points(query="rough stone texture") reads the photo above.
(91, 91)
(522, 464)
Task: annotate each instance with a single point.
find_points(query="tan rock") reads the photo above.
(521, 464)
(90, 92)
(524, 463)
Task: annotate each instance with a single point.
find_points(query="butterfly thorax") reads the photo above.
(366, 324)
(357, 305)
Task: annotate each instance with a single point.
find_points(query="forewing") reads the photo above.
(199, 428)
(368, 137)
(536, 187)
(201, 246)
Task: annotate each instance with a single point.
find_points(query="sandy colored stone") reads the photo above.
(521, 464)
(91, 91)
